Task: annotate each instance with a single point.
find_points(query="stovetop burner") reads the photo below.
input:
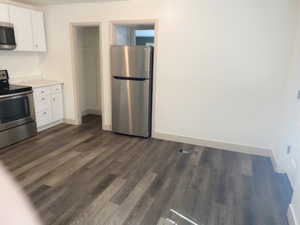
(6, 88)
(14, 89)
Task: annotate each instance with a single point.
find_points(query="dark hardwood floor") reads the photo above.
(81, 175)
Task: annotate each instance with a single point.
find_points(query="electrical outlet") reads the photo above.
(298, 95)
(289, 149)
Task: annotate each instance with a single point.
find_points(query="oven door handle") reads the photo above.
(16, 94)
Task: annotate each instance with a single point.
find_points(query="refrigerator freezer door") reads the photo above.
(131, 61)
(131, 109)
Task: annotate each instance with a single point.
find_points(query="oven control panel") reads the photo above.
(3, 75)
(4, 79)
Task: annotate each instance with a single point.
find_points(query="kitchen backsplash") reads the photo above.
(17, 79)
(21, 66)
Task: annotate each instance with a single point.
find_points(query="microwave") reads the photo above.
(7, 36)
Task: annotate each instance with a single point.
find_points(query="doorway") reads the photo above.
(134, 34)
(87, 70)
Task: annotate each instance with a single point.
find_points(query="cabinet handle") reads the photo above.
(43, 99)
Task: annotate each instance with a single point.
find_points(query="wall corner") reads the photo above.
(276, 163)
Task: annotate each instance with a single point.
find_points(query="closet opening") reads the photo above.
(86, 59)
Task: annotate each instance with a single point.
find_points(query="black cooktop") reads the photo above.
(14, 89)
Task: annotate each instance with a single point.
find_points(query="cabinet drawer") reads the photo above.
(56, 89)
(41, 91)
(43, 117)
(42, 102)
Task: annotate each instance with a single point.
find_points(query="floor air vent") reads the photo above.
(185, 150)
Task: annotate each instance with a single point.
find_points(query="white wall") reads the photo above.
(291, 126)
(88, 69)
(221, 64)
(21, 65)
(296, 201)
(291, 123)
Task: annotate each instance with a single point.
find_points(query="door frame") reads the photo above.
(154, 22)
(75, 72)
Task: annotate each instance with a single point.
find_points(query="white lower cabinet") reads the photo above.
(57, 107)
(43, 118)
(48, 103)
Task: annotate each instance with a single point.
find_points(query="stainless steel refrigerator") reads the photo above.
(132, 73)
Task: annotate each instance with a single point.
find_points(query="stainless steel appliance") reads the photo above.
(7, 36)
(17, 116)
(132, 72)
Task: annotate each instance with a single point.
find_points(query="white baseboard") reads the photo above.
(91, 112)
(214, 144)
(49, 125)
(292, 216)
(71, 122)
(106, 127)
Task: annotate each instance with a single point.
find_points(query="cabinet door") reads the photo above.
(57, 107)
(4, 13)
(43, 117)
(21, 18)
(38, 30)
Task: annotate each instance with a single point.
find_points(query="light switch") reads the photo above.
(289, 149)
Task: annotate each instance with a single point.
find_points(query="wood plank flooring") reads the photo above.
(81, 175)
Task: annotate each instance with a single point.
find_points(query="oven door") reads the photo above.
(7, 36)
(16, 109)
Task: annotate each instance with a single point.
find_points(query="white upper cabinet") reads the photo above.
(4, 13)
(29, 29)
(38, 30)
(21, 19)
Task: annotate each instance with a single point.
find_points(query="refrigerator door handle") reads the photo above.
(130, 78)
(147, 59)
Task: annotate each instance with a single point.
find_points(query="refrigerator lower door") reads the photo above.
(131, 109)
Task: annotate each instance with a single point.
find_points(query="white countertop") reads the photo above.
(39, 83)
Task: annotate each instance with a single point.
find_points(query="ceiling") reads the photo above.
(53, 2)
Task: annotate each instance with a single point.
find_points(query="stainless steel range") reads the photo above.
(17, 116)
